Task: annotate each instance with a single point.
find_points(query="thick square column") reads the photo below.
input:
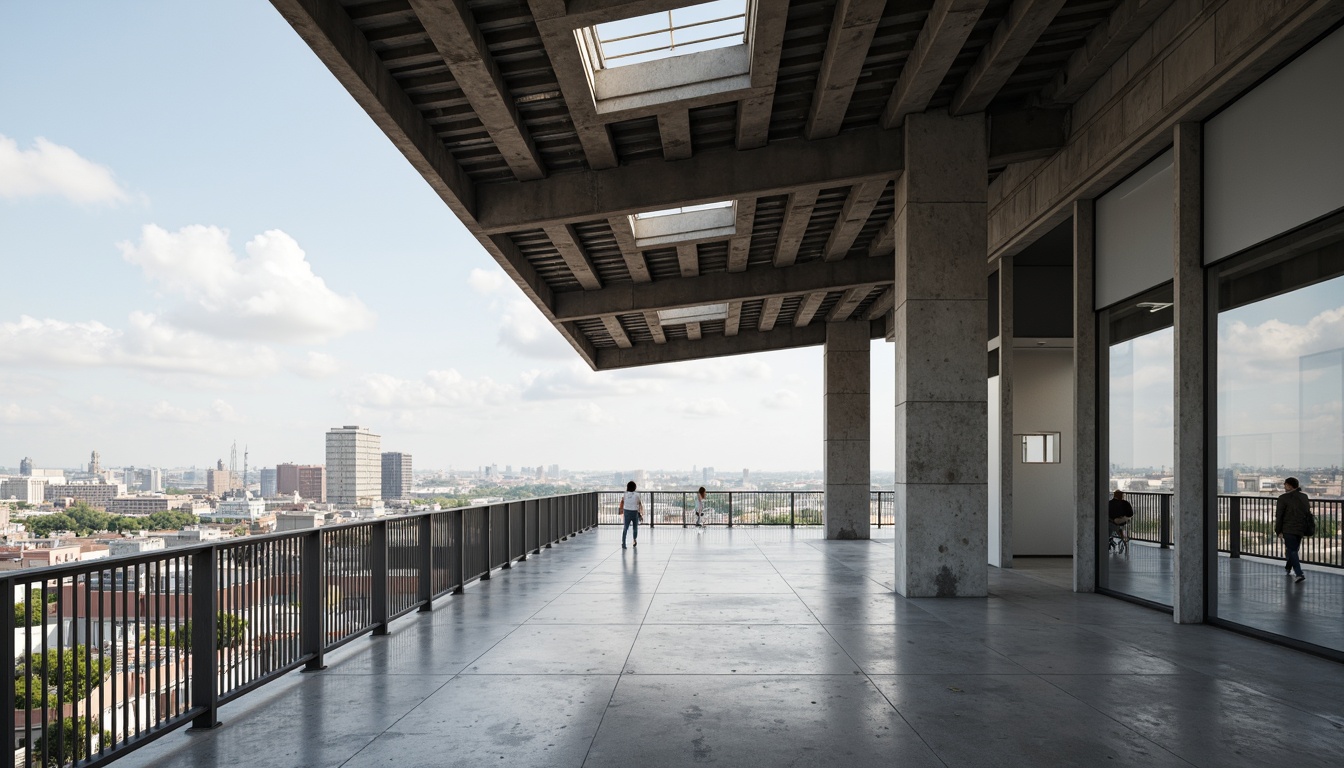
(1192, 446)
(942, 431)
(848, 424)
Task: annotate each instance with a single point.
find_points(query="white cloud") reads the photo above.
(713, 371)
(578, 381)
(51, 169)
(525, 331)
(782, 399)
(271, 294)
(709, 408)
(13, 413)
(486, 282)
(437, 389)
(592, 413)
(1270, 351)
(146, 344)
(219, 411)
(316, 365)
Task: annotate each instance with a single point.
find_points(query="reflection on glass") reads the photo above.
(1280, 414)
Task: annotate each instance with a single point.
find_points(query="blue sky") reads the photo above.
(204, 239)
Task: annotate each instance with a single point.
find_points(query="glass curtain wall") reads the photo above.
(1280, 414)
(1135, 558)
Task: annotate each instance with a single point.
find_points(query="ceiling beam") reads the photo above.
(566, 242)
(693, 331)
(1012, 40)
(949, 24)
(688, 258)
(454, 33)
(885, 242)
(718, 287)
(733, 322)
(767, 40)
(739, 248)
(677, 350)
(674, 127)
(770, 312)
(847, 47)
(1104, 45)
(655, 327)
(883, 304)
(808, 308)
(797, 214)
(1026, 134)
(625, 240)
(572, 75)
(858, 207)
(849, 302)
(616, 331)
(853, 157)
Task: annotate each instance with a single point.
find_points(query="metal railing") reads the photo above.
(110, 654)
(1245, 527)
(730, 508)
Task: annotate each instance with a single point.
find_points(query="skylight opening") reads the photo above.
(683, 209)
(700, 314)
(662, 35)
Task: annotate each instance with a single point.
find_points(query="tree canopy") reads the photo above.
(84, 520)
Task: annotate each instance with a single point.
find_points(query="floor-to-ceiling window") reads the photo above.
(1137, 362)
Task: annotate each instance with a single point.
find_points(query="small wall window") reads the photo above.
(1040, 448)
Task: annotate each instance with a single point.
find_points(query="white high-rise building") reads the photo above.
(354, 466)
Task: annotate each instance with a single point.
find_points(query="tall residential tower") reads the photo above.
(396, 476)
(354, 466)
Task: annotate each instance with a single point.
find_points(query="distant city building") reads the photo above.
(268, 483)
(26, 467)
(553, 471)
(95, 465)
(354, 466)
(746, 477)
(94, 494)
(149, 480)
(307, 480)
(238, 509)
(397, 479)
(707, 476)
(221, 481)
(191, 535)
(26, 489)
(135, 546)
(138, 505)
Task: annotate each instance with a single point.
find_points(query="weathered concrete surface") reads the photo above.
(942, 506)
(1086, 493)
(848, 454)
(1192, 487)
(1007, 448)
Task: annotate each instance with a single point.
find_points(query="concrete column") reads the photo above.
(1087, 494)
(1007, 448)
(939, 326)
(1190, 345)
(848, 425)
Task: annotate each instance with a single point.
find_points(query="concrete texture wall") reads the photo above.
(848, 424)
(1043, 510)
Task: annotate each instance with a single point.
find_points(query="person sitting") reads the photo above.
(1120, 512)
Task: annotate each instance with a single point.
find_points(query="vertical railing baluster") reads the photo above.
(488, 513)
(730, 509)
(1234, 526)
(1164, 525)
(508, 535)
(458, 552)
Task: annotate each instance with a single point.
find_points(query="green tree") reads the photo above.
(44, 525)
(66, 741)
(57, 675)
(229, 632)
(32, 612)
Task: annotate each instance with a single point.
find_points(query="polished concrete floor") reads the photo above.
(1256, 593)
(767, 647)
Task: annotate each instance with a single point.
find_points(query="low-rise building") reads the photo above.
(94, 494)
(138, 505)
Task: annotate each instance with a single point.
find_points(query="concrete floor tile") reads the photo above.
(722, 649)
(920, 649)
(678, 608)
(561, 649)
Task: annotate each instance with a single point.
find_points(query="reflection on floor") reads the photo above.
(1257, 593)
(766, 647)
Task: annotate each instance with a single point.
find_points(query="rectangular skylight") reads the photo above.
(665, 34)
(684, 209)
(700, 314)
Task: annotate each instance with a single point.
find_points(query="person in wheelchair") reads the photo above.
(1119, 512)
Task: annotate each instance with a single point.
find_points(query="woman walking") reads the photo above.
(700, 507)
(633, 508)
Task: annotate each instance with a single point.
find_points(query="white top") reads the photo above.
(631, 501)
(699, 504)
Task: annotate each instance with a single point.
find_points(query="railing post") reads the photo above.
(379, 571)
(457, 560)
(426, 541)
(1164, 526)
(508, 535)
(312, 602)
(650, 509)
(1234, 526)
(204, 656)
(550, 521)
(485, 540)
(793, 499)
(8, 626)
(730, 509)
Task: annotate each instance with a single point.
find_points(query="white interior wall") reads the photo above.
(1043, 513)
(995, 478)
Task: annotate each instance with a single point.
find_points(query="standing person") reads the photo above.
(632, 508)
(700, 507)
(1120, 512)
(1290, 524)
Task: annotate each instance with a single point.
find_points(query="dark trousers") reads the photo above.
(631, 521)
(1293, 543)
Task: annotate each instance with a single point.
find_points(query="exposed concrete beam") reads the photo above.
(1013, 38)
(846, 49)
(453, 31)
(1103, 47)
(849, 302)
(586, 13)
(617, 331)
(858, 207)
(566, 242)
(785, 337)
(852, 157)
(625, 240)
(770, 312)
(949, 24)
(714, 288)
(1027, 134)
(733, 322)
(885, 242)
(808, 308)
(766, 37)
(655, 327)
(572, 76)
(688, 258)
(674, 126)
(739, 248)
(883, 305)
(327, 29)
(797, 213)
(693, 331)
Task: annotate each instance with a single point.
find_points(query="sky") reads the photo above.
(204, 239)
